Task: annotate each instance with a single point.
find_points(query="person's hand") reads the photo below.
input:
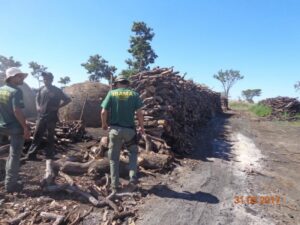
(104, 126)
(38, 109)
(141, 130)
(26, 133)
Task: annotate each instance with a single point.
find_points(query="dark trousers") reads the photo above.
(42, 126)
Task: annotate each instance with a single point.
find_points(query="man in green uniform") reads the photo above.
(13, 124)
(122, 103)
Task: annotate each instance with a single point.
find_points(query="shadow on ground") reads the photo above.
(165, 192)
(213, 140)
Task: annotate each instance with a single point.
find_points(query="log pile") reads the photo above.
(70, 131)
(283, 108)
(174, 108)
(224, 103)
(66, 132)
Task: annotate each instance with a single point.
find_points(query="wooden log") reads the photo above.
(58, 218)
(100, 166)
(4, 149)
(153, 160)
(18, 219)
(49, 173)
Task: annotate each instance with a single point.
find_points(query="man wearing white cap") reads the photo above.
(13, 124)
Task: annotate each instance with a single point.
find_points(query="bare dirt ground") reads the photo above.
(243, 171)
(240, 168)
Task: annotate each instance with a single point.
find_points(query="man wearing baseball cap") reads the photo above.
(122, 103)
(48, 101)
(13, 124)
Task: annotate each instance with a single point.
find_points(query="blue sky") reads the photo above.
(260, 38)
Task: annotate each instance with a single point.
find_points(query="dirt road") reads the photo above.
(244, 171)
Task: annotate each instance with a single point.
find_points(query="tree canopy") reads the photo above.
(228, 78)
(140, 49)
(297, 86)
(6, 63)
(37, 70)
(98, 68)
(249, 94)
(64, 80)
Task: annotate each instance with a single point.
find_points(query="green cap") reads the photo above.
(121, 78)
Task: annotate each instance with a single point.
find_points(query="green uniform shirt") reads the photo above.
(11, 97)
(122, 103)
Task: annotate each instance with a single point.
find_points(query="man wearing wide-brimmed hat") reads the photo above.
(13, 124)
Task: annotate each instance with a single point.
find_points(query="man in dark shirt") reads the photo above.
(13, 124)
(48, 101)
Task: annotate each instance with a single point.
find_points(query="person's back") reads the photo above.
(123, 104)
(8, 94)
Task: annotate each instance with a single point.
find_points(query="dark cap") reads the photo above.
(47, 74)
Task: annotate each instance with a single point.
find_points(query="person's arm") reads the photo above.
(18, 104)
(104, 112)
(21, 118)
(140, 117)
(65, 100)
(104, 115)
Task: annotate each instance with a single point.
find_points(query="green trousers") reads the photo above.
(118, 136)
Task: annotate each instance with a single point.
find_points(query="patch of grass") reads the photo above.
(297, 116)
(239, 105)
(287, 123)
(261, 110)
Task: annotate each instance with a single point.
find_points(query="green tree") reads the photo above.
(249, 94)
(64, 80)
(228, 78)
(297, 86)
(140, 49)
(98, 68)
(6, 63)
(37, 70)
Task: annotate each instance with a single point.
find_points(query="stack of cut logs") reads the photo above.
(67, 132)
(283, 107)
(174, 108)
(71, 131)
(224, 103)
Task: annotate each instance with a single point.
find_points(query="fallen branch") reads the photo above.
(4, 149)
(146, 172)
(67, 178)
(122, 215)
(72, 189)
(103, 201)
(58, 218)
(49, 174)
(19, 218)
